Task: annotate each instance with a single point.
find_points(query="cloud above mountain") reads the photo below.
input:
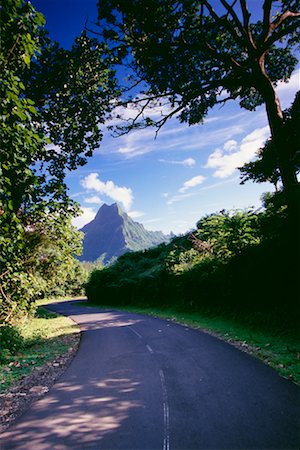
(120, 194)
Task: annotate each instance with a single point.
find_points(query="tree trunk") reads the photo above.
(291, 186)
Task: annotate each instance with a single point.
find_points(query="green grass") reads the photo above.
(281, 350)
(47, 301)
(46, 336)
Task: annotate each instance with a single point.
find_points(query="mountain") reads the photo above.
(113, 233)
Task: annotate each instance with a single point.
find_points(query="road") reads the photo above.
(143, 383)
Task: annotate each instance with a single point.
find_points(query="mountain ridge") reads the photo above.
(112, 233)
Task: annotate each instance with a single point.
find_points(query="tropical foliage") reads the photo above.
(228, 264)
(53, 103)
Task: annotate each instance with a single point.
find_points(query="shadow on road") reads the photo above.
(157, 383)
(81, 416)
(99, 397)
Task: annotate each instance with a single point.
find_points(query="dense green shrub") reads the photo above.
(11, 341)
(232, 264)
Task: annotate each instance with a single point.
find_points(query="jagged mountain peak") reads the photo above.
(112, 232)
(105, 209)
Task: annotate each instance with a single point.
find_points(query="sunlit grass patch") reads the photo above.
(45, 337)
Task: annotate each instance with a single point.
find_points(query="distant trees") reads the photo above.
(228, 265)
(229, 233)
(195, 54)
(53, 104)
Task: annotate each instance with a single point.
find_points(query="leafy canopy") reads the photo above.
(197, 54)
(54, 103)
(189, 56)
(266, 166)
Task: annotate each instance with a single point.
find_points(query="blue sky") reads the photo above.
(168, 182)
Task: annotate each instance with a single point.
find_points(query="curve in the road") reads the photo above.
(143, 383)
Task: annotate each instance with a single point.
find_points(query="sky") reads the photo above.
(167, 182)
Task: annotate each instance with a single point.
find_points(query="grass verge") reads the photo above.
(281, 351)
(46, 336)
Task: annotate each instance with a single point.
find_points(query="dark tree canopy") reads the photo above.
(195, 54)
(266, 166)
(54, 103)
(200, 53)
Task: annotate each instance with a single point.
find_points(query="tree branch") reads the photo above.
(286, 15)
(233, 14)
(277, 35)
(12, 49)
(139, 100)
(161, 122)
(266, 20)
(245, 38)
(246, 19)
(225, 23)
(223, 56)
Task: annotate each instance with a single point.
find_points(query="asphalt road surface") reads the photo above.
(142, 383)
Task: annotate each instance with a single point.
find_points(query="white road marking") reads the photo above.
(149, 348)
(166, 444)
(135, 332)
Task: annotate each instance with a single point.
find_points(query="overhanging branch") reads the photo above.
(245, 37)
(266, 20)
(226, 23)
(279, 34)
(246, 19)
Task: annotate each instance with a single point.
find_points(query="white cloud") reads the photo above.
(292, 85)
(120, 194)
(188, 162)
(180, 137)
(88, 214)
(179, 198)
(174, 136)
(135, 214)
(227, 159)
(94, 199)
(258, 135)
(137, 143)
(230, 145)
(195, 181)
(200, 137)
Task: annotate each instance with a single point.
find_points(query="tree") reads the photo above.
(228, 233)
(266, 166)
(194, 55)
(54, 103)
(51, 246)
(43, 264)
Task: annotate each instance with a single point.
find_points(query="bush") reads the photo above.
(11, 341)
(231, 264)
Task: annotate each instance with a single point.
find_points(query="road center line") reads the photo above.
(135, 332)
(166, 444)
(149, 348)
